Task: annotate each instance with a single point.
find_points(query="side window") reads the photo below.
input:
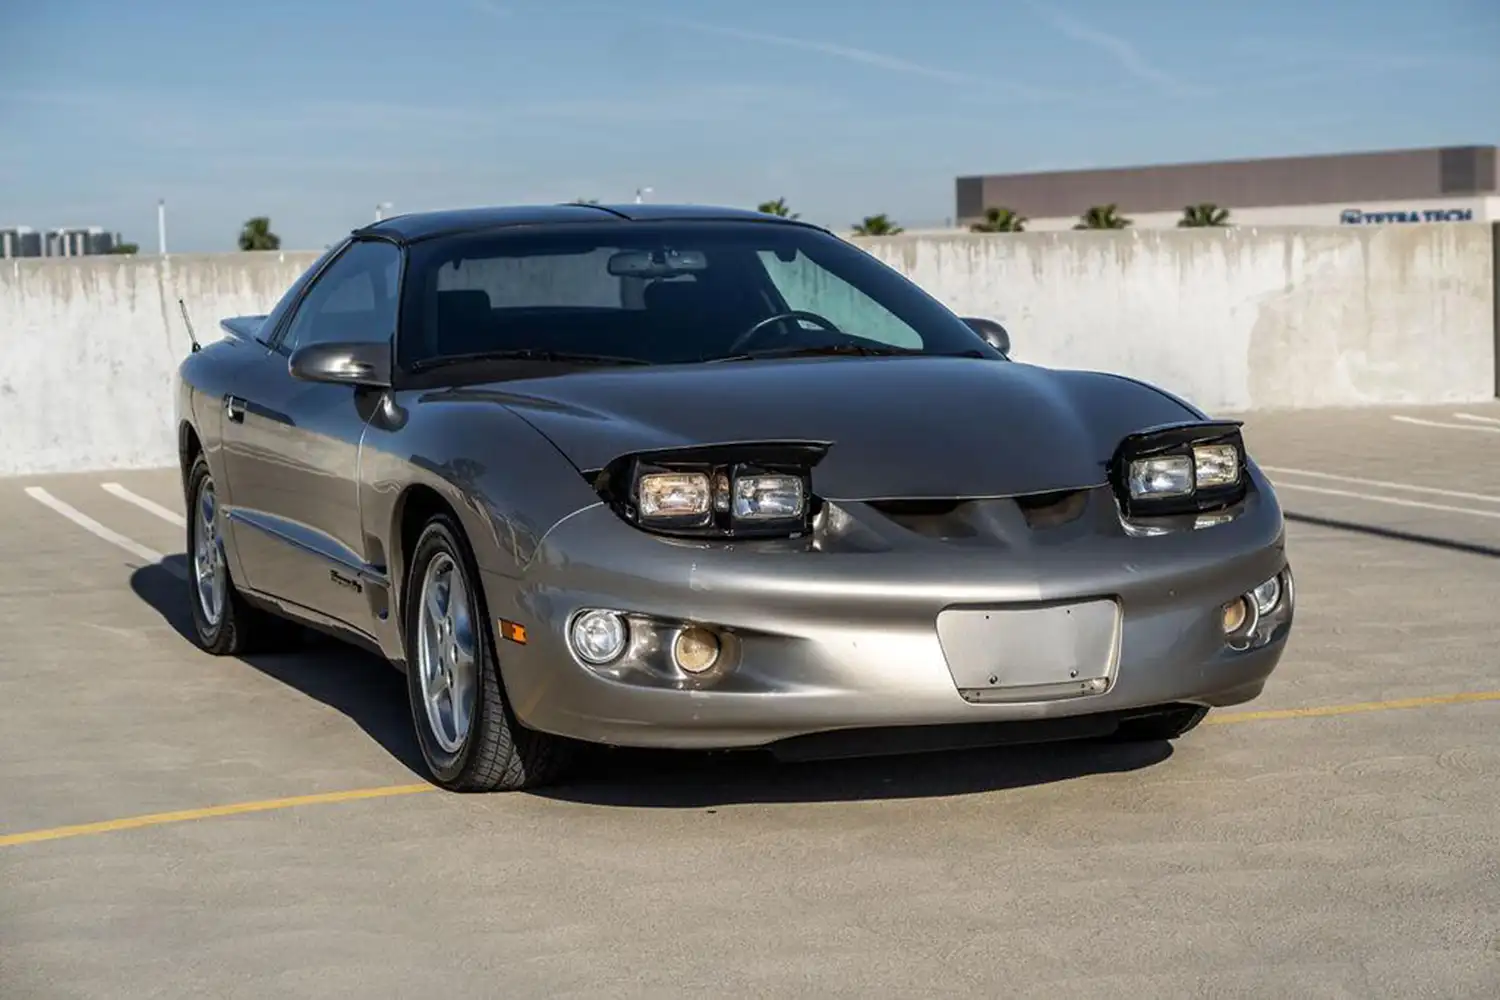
(810, 287)
(354, 300)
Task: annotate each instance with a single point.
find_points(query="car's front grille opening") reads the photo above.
(957, 520)
(1050, 510)
(941, 519)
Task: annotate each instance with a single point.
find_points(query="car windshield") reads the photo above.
(662, 293)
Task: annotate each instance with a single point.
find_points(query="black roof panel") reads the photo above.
(426, 225)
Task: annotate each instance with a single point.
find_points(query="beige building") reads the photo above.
(1436, 185)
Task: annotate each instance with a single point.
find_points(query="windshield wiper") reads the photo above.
(859, 350)
(525, 354)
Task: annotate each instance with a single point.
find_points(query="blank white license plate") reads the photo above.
(1060, 646)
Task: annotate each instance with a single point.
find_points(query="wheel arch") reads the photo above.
(414, 507)
(189, 447)
(501, 480)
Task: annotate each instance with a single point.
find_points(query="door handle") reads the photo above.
(234, 409)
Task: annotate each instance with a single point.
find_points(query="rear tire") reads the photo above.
(224, 623)
(471, 739)
(1167, 725)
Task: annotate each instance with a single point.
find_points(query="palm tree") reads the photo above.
(876, 225)
(777, 207)
(256, 235)
(1102, 217)
(1203, 214)
(1000, 220)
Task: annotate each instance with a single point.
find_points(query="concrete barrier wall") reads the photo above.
(91, 343)
(1234, 319)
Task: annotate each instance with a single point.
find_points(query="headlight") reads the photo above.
(726, 491)
(1216, 465)
(767, 498)
(1184, 468)
(675, 495)
(1161, 477)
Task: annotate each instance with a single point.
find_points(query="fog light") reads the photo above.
(1235, 614)
(598, 636)
(1267, 595)
(695, 650)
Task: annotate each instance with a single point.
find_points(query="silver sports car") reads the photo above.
(702, 478)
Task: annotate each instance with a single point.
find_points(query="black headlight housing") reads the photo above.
(1182, 468)
(728, 491)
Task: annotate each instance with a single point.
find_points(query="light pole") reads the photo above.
(640, 194)
(380, 210)
(161, 226)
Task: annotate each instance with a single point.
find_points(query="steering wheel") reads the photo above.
(745, 338)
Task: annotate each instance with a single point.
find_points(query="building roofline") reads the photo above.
(1236, 161)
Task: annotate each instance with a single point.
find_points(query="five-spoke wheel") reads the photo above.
(225, 623)
(209, 569)
(446, 653)
(470, 738)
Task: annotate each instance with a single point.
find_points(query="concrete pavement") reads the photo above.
(1317, 855)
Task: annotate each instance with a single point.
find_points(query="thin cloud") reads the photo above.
(867, 57)
(1336, 60)
(1296, 64)
(164, 120)
(1124, 52)
(849, 53)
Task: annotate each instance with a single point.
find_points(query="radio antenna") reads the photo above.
(189, 324)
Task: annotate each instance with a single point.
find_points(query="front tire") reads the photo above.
(224, 623)
(470, 738)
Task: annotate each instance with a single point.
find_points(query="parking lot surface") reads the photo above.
(1335, 838)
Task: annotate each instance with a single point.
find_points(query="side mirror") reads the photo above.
(361, 364)
(993, 333)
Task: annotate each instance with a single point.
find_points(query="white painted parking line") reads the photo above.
(81, 519)
(151, 506)
(1382, 483)
(1390, 500)
(1438, 423)
(1477, 418)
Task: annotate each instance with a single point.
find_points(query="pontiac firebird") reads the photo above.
(678, 477)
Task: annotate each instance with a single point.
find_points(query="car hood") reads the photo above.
(899, 428)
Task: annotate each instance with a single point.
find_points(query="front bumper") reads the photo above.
(849, 637)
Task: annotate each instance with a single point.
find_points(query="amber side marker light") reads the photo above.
(513, 631)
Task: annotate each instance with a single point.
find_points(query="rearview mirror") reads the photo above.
(361, 364)
(993, 333)
(665, 263)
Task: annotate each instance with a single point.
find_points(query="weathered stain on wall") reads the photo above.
(1233, 319)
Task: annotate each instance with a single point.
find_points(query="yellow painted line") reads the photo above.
(1323, 711)
(390, 791)
(234, 809)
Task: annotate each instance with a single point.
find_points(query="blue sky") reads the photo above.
(313, 111)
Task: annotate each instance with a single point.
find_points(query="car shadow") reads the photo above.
(644, 779)
(373, 696)
(361, 686)
(1394, 534)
